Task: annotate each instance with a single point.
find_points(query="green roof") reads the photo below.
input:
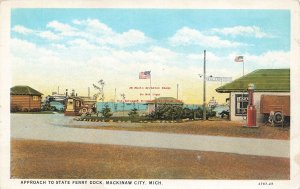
(24, 90)
(166, 100)
(265, 80)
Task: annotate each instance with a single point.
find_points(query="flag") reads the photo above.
(239, 59)
(145, 75)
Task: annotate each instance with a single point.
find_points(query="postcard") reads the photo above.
(163, 94)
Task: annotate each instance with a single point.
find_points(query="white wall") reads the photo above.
(256, 99)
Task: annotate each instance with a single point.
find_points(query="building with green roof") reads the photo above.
(267, 82)
(25, 98)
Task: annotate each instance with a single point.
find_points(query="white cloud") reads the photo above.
(187, 36)
(64, 29)
(59, 46)
(48, 35)
(81, 44)
(129, 38)
(225, 66)
(104, 35)
(22, 29)
(28, 50)
(270, 59)
(243, 31)
(90, 33)
(94, 31)
(42, 34)
(95, 26)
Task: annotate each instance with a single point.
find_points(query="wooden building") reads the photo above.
(25, 98)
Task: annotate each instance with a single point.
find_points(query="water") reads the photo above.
(118, 106)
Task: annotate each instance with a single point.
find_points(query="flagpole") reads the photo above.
(243, 67)
(150, 88)
(204, 86)
(243, 112)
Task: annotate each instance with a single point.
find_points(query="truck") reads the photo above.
(276, 108)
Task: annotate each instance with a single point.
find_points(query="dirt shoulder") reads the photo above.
(64, 160)
(210, 127)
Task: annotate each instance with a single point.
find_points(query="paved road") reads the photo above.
(50, 127)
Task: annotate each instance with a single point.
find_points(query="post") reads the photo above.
(243, 111)
(243, 67)
(115, 103)
(177, 91)
(115, 95)
(150, 89)
(204, 86)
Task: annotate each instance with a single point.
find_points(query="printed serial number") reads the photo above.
(265, 183)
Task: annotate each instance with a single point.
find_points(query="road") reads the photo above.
(52, 127)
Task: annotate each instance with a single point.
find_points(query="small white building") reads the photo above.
(267, 82)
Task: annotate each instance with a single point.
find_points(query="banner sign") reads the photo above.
(220, 79)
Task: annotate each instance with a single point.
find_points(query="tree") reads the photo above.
(123, 99)
(100, 94)
(106, 112)
(133, 114)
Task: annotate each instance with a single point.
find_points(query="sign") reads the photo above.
(241, 103)
(220, 79)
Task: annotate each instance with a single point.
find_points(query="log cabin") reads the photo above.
(25, 98)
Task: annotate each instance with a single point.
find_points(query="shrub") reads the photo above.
(175, 112)
(133, 115)
(106, 112)
(167, 112)
(15, 108)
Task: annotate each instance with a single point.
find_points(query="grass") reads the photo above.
(215, 128)
(61, 160)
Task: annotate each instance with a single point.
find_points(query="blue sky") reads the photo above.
(159, 24)
(121, 42)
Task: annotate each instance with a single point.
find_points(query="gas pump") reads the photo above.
(251, 110)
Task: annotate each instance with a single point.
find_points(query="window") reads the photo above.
(241, 103)
(35, 98)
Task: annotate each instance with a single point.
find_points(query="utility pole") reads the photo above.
(123, 97)
(177, 91)
(204, 87)
(115, 103)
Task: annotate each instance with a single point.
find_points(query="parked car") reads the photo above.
(57, 106)
(222, 111)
